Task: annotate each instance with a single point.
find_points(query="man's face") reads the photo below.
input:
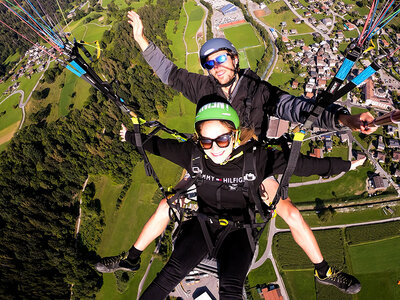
(225, 71)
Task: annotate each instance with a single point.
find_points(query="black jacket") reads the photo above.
(218, 178)
(266, 100)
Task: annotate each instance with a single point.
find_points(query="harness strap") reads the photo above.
(207, 237)
(249, 175)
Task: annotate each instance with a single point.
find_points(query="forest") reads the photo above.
(45, 166)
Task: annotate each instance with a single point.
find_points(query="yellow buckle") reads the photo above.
(298, 136)
(223, 222)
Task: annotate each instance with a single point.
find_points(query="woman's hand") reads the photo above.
(137, 30)
(122, 132)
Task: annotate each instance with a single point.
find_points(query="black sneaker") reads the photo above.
(345, 282)
(115, 263)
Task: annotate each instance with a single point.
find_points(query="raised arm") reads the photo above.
(192, 85)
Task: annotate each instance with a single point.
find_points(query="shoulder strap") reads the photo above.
(248, 102)
(249, 176)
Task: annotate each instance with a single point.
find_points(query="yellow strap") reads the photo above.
(370, 47)
(298, 136)
(98, 48)
(223, 222)
(135, 120)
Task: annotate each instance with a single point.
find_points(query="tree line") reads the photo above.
(45, 165)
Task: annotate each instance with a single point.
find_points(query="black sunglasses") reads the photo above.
(218, 60)
(222, 141)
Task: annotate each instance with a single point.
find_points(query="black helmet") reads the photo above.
(215, 45)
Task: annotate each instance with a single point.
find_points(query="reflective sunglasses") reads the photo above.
(218, 60)
(222, 141)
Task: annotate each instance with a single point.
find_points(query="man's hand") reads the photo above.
(122, 132)
(358, 122)
(137, 30)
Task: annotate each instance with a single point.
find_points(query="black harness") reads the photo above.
(255, 205)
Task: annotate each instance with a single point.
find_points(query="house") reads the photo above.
(321, 83)
(309, 88)
(327, 21)
(392, 143)
(359, 155)
(384, 42)
(344, 137)
(317, 152)
(293, 31)
(328, 145)
(277, 127)
(396, 156)
(350, 26)
(378, 182)
(274, 294)
(307, 14)
(380, 146)
(390, 129)
(380, 156)
(297, 21)
(295, 84)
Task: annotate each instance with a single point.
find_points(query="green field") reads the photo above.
(243, 62)
(90, 32)
(193, 64)
(196, 14)
(12, 115)
(377, 265)
(300, 283)
(242, 36)
(282, 75)
(307, 38)
(12, 58)
(254, 55)
(120, 3)
(349, 185)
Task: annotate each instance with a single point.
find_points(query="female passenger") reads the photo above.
(220, 147)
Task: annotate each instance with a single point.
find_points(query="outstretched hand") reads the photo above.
(359, 122)
(137, 29)
(122, 132)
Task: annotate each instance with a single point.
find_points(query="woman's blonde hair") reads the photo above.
(245, 134)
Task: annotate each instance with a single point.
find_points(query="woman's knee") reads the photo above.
(163, 208)
(289, 213)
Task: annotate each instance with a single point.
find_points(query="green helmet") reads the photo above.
(218, 111)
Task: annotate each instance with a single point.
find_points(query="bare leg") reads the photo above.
(154, 226)
(301, 232)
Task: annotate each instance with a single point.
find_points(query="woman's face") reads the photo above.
(212, 130)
